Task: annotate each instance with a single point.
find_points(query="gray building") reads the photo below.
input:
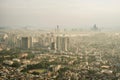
(26, 42)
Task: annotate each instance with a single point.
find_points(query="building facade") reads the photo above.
(62, 43)
(26, 42)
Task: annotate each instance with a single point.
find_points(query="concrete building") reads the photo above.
(46, 40)
(62, 43)
(18, 42)
(26, 42)
(53, 46)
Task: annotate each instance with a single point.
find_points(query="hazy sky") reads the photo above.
(67, 13)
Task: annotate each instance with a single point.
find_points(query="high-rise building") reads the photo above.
(95, 28)
(62, 43)
(53, 46)
(26, 42)
(18, 42)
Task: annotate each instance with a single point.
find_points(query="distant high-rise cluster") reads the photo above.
(55, 41)
(50, 41)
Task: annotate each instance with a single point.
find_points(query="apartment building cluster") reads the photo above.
(49, 41)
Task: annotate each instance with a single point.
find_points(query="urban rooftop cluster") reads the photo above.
(59, 55)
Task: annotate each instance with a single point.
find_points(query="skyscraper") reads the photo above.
(26, 42)
(62, 43)
(95, 28)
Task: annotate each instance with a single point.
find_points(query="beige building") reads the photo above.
(26, 42)
(62, 43)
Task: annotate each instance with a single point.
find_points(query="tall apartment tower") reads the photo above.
(26, 42)
(62, 43)
(57, 28)
(53, 46)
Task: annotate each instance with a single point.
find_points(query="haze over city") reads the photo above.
(59, 40)
(66, 13)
